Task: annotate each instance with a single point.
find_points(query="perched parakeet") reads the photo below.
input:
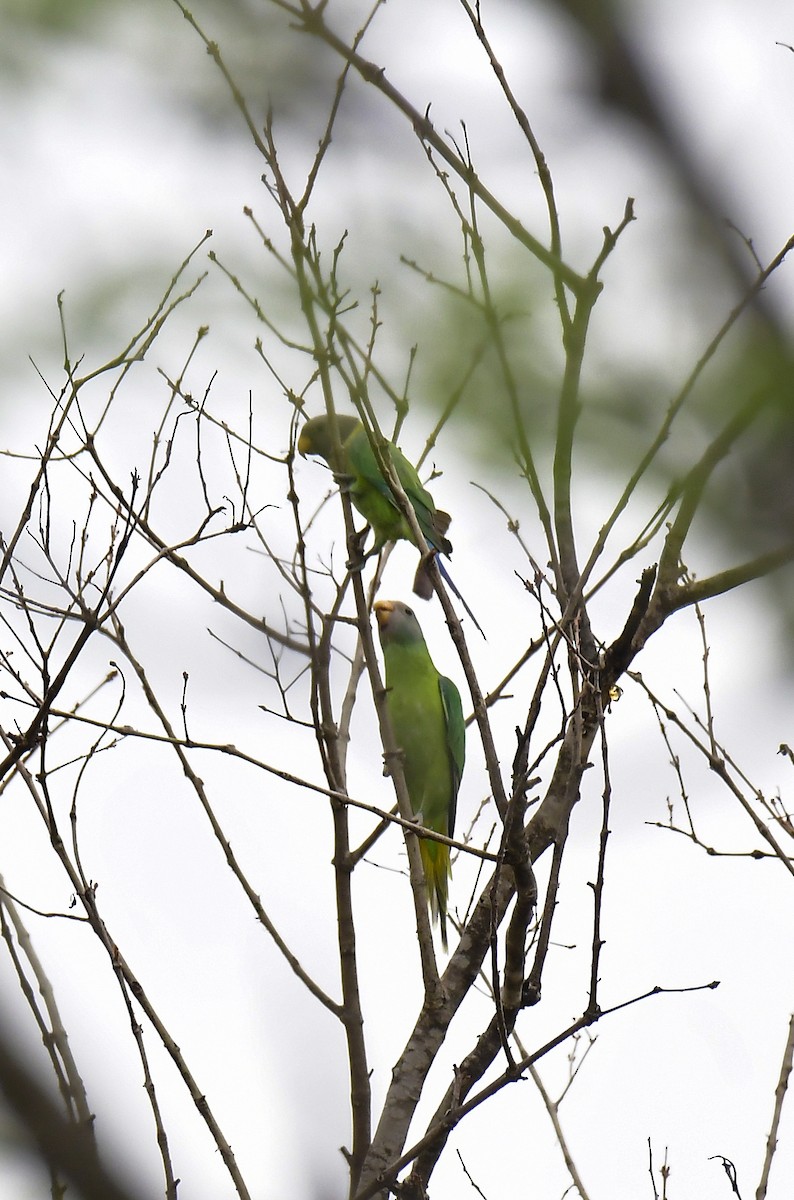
(371, 494)
(427, 720)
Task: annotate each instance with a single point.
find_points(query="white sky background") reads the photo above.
(109, 178)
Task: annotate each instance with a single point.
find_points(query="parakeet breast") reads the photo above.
(419, 725)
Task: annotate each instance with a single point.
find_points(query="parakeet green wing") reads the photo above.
(373, 496)
(456, 739)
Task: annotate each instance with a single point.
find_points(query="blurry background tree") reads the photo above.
(206, 878)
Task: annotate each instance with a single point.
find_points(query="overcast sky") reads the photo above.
(117, 156)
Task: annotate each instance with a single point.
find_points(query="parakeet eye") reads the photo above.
(409, 612)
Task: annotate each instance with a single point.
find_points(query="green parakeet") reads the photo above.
(370, 492)
(427, 720)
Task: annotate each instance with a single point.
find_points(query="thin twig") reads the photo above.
(780, 1095)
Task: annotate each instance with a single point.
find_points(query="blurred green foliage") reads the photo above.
(269, 64)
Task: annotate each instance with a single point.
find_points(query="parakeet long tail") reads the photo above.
(448, 580)
(435, 860)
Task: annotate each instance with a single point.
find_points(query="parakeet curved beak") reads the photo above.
(383, 610)
(304, 443)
